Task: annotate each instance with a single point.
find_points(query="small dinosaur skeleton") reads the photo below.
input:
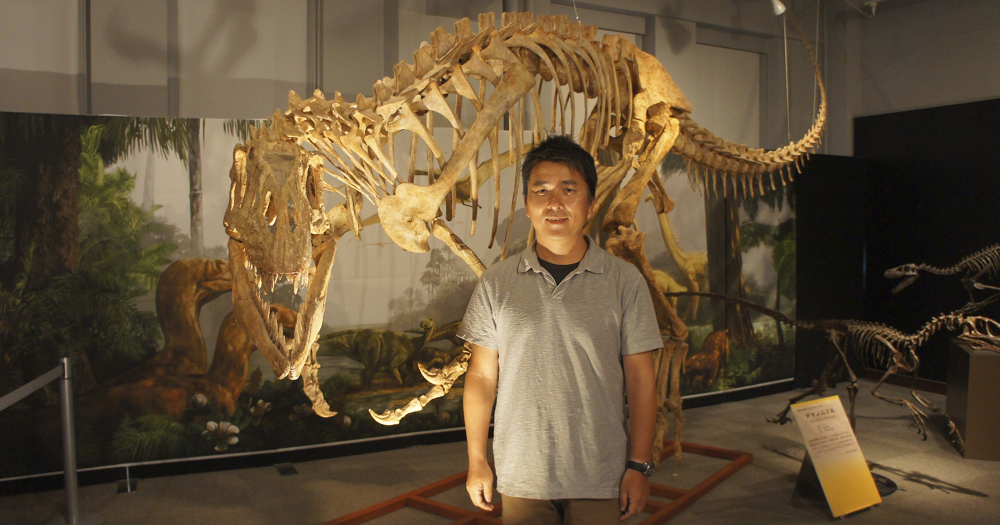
(984, 262)
(633, 115)
(879, 346)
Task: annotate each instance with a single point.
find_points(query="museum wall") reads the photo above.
(929, 54)
(912, 54)
(39, 63)
(239, 59)
(151, 58)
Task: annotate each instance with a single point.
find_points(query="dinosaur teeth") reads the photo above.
(296, 281)
(274, 280)
(273, 329)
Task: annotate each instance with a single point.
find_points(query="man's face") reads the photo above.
(558, 202)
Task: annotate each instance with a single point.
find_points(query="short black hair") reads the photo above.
(561, 150)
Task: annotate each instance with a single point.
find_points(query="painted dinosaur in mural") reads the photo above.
(703, 367)
(668, 284)
(632, 116)
(447, 332)
(378, 350)
(182, 290)
(168, 383)
(692, 264)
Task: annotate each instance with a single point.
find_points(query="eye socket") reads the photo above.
(270, 214)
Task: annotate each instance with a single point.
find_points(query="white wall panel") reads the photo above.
(39, 35)
(239, 59)
(722, 85)
(929, 54)
(39, 56)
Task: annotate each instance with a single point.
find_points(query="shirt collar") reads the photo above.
(592, 261)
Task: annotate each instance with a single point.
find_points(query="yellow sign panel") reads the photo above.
(836, 455)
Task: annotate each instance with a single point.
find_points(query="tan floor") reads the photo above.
(936, 485)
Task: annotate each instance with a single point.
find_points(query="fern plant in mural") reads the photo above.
(149, 437)
(89, 314)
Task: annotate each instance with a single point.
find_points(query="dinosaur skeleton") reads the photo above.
(880, 346)
(634, 115)
(984, 262)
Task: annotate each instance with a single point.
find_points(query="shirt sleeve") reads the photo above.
(479, 323)
(640, 332)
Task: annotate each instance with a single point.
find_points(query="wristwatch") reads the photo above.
(646, 468)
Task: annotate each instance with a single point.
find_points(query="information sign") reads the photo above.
(840, 466)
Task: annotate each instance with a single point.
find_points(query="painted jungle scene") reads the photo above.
(742, 248)
(113, 252)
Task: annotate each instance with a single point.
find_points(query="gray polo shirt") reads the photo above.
(559, 422)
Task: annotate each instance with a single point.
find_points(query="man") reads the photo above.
(554, 333)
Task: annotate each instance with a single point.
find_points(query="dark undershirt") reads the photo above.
(558, 271)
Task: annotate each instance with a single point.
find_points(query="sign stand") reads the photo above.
(807, 485)
(834, 462)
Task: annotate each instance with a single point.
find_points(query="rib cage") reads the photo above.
(863, 338)
(351, 135)
(985, 261)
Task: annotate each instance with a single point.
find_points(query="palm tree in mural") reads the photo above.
(781, 239)
(194, 181)
(40, 160)
(725, 267)
(726, 245)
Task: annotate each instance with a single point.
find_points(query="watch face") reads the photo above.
(646, 469)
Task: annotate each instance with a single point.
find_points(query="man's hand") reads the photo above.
(632, 493)
(480, 392)
(480, 485)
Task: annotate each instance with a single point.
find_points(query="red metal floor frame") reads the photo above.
(660, 512)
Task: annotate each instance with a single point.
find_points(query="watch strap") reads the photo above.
(645, 468)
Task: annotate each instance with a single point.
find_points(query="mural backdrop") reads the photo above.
(112, 251)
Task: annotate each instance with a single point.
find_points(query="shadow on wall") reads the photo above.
(227, 36)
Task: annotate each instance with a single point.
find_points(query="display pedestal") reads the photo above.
(657, 512)
(973, 388)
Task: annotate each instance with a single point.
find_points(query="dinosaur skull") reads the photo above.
(275, 209)
(910, 271)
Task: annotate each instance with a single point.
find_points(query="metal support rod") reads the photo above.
(788, 89)
(84, 87)
(69, 443)
(30, 387)
(819, 5)
(64, 372)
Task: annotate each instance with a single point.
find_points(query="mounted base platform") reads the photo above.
(657, 512)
